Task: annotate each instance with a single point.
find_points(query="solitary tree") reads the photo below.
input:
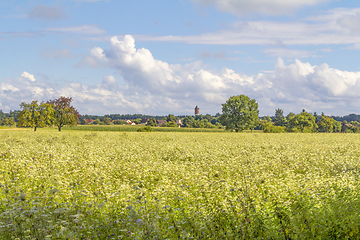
(64, 113)
(240, 113)
(35, 115)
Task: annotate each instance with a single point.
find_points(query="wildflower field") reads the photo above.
(157, 185)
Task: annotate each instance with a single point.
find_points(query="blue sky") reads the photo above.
(161, 57)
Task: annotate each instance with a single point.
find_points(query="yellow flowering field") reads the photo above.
(158, 185)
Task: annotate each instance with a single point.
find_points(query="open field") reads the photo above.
(130, 128)
(130, 185)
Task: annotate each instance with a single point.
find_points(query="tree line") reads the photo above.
(241, 112)
(238, 113)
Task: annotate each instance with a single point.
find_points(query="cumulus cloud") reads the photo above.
(27, 76)
(269, 7)
(151, 86)
(46, 12)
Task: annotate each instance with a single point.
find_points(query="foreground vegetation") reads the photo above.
(133, 185)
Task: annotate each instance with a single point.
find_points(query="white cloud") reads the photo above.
(152, 86)
(46, 12)
(337, 26)
(27, 76)
(84, 29)
(269, 7)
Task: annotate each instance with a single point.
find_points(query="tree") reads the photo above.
(279, 120)
(303, 120)
(151, 122)
(170, 118)
(240, 113)
(35, 115)
(266, 124)
(337, 126)
(8, 121)
(188, 121)
(97, 122)
(326, 124)
(64, 113)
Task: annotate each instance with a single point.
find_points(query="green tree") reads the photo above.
(279, 120)
(303, 120)
(119, 122)
(188, 121)
(170, 118)
(35, 115)
(151, 122)
(106, 120)
(337, 126)
(64, 113)
(9, 121)
(240, 113)
(266, 124)
(326, 124)
(83, 122)
(97, 122)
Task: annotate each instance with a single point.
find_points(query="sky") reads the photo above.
(168, 56)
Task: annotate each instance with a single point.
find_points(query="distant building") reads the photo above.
(197, 110)
(144, 121)
(179, 122)
(160, 122)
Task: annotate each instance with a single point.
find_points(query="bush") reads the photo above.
(145, 129)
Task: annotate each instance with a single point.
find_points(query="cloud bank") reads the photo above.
(155, 87)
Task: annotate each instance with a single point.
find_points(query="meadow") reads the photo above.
(130, 128)
(177, 185)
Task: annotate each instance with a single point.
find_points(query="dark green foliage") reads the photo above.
(145, 129)
(240, 113)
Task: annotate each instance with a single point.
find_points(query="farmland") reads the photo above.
(177, 185)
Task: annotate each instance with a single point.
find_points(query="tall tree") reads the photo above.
(170, 118)
(326, 124)
(279, 120)
(240, 113)
(303, 120)
(64, 113)
(35, 115)
(151, 122)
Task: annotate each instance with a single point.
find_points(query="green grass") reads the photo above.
(134, 128)
(176, 185)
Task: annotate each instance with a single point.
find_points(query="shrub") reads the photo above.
(145, 129)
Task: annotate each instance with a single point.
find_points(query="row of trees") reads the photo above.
(57, 112)
(241, 112)
(238, 113)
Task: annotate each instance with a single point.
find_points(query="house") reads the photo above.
(89, 121)
(144, 121)
(179, 122)
(160, 122)
(348, 126)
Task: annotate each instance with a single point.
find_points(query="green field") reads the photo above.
(177, 185)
